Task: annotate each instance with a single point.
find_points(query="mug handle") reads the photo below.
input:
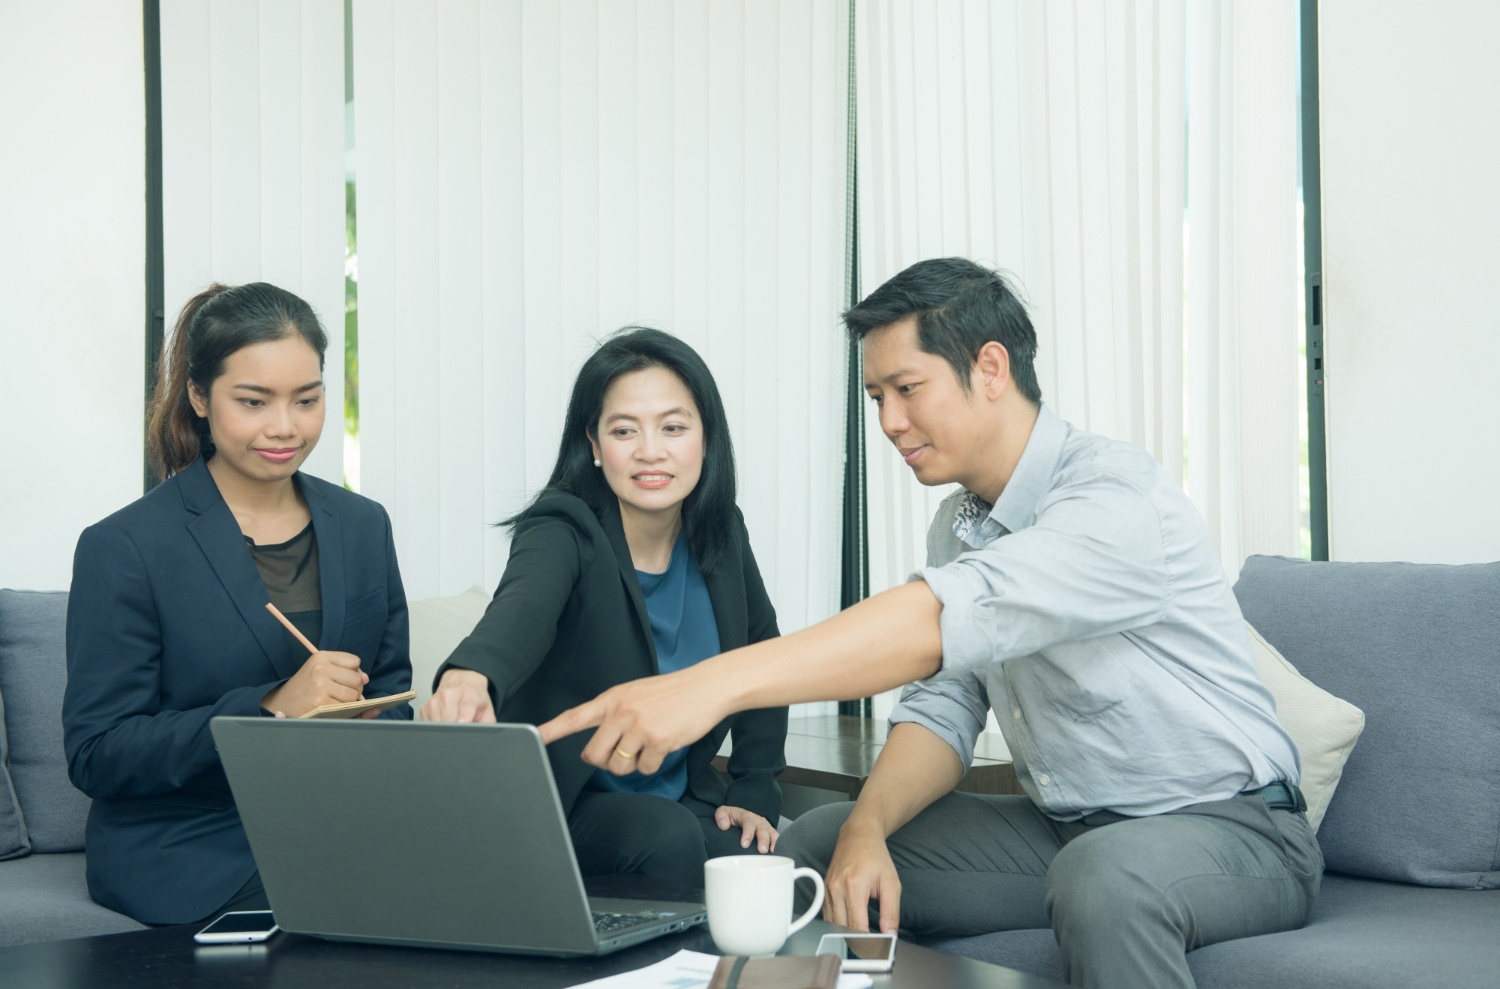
(817, 904)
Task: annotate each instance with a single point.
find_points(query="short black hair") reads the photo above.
(708, 511)
(959, 307)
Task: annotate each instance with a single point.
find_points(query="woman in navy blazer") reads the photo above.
(167, 621)
(632, 561)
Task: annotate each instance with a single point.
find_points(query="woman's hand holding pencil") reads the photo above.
(328, 677)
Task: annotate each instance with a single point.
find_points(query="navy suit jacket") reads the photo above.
(167, 628)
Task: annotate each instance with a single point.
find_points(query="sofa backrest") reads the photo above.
(13, 843)
(40, 809)
(438, 625)
(33, 673)
(1417, 647)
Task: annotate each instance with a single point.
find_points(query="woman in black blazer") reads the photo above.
(632, 561)
(167, 621)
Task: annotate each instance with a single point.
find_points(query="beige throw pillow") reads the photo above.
(1323, 726)
(438, 625)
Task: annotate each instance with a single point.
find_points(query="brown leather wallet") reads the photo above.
(780, 972)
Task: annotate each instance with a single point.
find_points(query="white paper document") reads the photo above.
(690, 970)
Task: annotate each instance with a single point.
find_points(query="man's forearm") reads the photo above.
(915, 767)
(882, 642)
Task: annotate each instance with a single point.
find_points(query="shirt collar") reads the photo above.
(1030, 481)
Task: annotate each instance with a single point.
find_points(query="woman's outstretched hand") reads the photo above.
(462, 696)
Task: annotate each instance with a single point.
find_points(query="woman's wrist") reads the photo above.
(459, 677)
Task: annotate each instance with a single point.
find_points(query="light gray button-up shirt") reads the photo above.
(1090, 609)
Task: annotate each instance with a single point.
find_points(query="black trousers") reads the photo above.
(638, 833)
(251, 896)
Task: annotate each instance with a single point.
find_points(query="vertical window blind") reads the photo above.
(534, 175)
(253, 163)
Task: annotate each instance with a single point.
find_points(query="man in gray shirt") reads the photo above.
(1071, 585)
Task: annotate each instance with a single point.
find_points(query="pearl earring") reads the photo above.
(597, 463)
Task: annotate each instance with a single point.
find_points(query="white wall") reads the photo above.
(72, 262)
(1410, 96)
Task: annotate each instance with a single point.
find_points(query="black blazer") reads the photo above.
(568, 622)
(167, 628)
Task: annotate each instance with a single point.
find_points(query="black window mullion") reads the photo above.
(155, 264)
(855, 586)
(1312, 253)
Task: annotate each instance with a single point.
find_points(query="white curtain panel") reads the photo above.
(1243, 286)
(253, 163)
(534, 174)
(1048, 139)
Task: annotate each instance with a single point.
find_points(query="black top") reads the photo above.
(290, 572)
(568, 622)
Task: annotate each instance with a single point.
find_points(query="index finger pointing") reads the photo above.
(572, 721)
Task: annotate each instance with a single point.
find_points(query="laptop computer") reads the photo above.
(429, 835)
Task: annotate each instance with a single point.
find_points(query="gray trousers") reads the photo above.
(1126, 897)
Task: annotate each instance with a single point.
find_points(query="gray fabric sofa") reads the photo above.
(43, 893)
(1411, 838)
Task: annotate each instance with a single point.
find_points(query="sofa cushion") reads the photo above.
(438, 625)
(1416, 646)
(33, 672)
(1363, 934)
(1324, 727)
(46, 898)
(13, 841)
(1366, 934)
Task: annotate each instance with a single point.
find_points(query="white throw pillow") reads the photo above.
(438, 625)
(1324, 727)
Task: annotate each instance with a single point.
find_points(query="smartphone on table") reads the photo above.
(860, 952)
(239, 927)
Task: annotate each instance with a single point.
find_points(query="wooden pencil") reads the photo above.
(290, 627)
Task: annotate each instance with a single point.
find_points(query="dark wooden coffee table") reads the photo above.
(167, 958)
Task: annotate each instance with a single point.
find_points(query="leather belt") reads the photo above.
(1280, 795)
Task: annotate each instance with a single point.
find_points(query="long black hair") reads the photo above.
(213, 325)
(708, 511)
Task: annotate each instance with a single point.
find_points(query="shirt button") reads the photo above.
(1015, 712)
(1044, 779)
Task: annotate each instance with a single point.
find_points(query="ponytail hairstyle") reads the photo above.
(708, 511)
(214, 324)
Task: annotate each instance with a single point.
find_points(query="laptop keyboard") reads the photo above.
(608, 923)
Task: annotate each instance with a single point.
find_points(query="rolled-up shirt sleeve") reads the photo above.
(954, 707)
(1092, 563)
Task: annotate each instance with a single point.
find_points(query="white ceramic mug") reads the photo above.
(750, 902)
